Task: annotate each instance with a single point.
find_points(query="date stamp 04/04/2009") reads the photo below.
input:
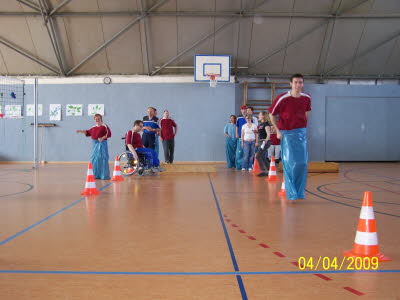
(335, 263)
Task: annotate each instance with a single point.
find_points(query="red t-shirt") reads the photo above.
(167, 132)
(98, 131)
(291, 110)
(134, 139)
(274, 139)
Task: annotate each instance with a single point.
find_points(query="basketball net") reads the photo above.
(213, 79)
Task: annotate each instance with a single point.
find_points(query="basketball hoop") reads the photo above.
(213, 79)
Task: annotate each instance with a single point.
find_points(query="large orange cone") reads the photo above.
(256, 167)
(272, 171)
(90, 185)
(282, 192)
(117, 175)
(366, 241)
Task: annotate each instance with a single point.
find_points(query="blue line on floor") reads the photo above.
(228, 241)
(45, 219)
(194, 273)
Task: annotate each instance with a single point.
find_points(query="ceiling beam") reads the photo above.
(296, 39)
(59, 6)
(115, 36)
(28, 55)
(362, 54)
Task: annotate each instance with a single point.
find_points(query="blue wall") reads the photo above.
(201, 113)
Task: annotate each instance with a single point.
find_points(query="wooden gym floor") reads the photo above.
(216, 235)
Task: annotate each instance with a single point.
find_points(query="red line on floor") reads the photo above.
(228, 220)
(251, 237)
(351, 290)
(279, 254)
(242, 231)
(263, 245)
(234, 225)
(323, 277)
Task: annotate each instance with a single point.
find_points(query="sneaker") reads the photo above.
(243, 169)
(160, 169)
(250, 169)
(154, 170)
(262, 174)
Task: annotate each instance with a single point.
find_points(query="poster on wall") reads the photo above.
(55, 112)
(30, 110)
(74, 110)
(13, 111)
(95, 109)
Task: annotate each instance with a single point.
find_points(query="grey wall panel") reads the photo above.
(120, 5)
(303, 55)
(392, 63)
(344, 42)
(275, 5)
(194, 5)
(163, 39)
(362, 129)
(321, 6)
(21, 37)
(387, 6)
(84, 41)
(375, 61)
(124, 54)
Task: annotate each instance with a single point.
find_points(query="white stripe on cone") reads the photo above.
(272, 172)
(366, 238)
(90, 172)
(117, 173)
(283, 185)
(367, 212)
(90, 185)
(117, 162)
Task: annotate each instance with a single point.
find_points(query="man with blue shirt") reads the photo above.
(149, 135)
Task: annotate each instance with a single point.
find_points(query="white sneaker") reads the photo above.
(243, 169)
(250, 169)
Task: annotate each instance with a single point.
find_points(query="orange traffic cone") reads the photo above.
(366, 241)
(282, 192)
(272, 171)
(256, 167)
(117, 175)
(90, 185)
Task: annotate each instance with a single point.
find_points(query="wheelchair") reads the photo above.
(130, 166)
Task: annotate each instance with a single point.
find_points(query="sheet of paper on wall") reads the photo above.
(95, 109)
(30, 110)
(74, 110)
(55, 112)
(13, 111)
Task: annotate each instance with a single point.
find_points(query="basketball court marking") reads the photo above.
(47, 218)
(228, 241)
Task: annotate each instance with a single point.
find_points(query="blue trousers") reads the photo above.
(295, 162)
(230, 150)
(239, 155)
(99, 159)
(248, 154)
(151, 155)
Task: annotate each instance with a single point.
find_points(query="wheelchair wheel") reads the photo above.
(140, 171)
(127, 163)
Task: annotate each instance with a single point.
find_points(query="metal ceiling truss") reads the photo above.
(301, 36)
(202, 40)
(118, 34)
(28, 55)
(222, 14)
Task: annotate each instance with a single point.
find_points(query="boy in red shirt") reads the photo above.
(169, 130)
(134, 143)
(293, 109)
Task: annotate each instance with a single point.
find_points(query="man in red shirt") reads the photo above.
(134, 143)
(293, 109)
(168, 132)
